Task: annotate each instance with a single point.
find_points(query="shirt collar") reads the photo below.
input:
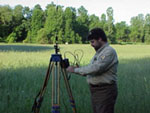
(101, 48)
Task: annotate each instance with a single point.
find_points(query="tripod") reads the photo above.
(56, 66)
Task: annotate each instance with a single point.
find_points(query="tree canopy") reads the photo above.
(70, 25)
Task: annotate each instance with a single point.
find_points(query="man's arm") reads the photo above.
(99, 66)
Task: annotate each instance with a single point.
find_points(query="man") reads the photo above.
(101, 73)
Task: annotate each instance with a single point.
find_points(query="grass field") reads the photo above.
(23, 68)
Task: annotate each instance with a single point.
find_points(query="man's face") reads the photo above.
(96, 44)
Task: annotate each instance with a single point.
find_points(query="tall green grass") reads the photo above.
(23, 68)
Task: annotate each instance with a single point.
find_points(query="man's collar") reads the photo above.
(101, 48)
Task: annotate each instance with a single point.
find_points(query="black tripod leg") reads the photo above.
(39, 98)
(72, 102)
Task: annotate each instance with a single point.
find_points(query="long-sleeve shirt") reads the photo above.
(102, 68)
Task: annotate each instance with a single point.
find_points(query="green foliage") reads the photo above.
(69, 25)
(60, 37)
(110, 26)
(54, 22)
(103, 21)
(28, 39)
(6, 16)
(17, 15)
(6, 19)
(42, 36)
(36, 22)
(11, 38)
(122, 32)
(137, 28)
(82, 26)
(94, 22)
(78, 39)
(147, 29)
(27, 13)
(1, 40)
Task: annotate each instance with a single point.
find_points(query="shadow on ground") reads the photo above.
(25, 48)
(20, 86)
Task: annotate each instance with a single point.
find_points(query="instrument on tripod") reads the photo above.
(57, 67)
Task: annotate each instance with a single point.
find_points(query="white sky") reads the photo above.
(123, 9)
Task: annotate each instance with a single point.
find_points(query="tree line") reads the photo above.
(70, 25)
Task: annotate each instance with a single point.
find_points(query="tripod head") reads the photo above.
(58, 57)
(56, 46)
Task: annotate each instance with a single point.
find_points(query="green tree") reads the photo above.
(94, 21)
(11, 38)
(35, 25)
(147, 28)
(19, 23)
(37, 22)
(17, 15)
(54, 22)
(122, 32)
(27, 23)
(70, 18)
(27, 13)
(110, 29)
(6, 19)
(103, 22)
(60, 36)
(42, 36)
(137, 28)
(78, 39)
(82, 26)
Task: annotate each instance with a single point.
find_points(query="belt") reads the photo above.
(101, 84)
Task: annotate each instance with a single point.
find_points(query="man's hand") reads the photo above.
(71, 69)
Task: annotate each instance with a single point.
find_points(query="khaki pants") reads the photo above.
(103, 98)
